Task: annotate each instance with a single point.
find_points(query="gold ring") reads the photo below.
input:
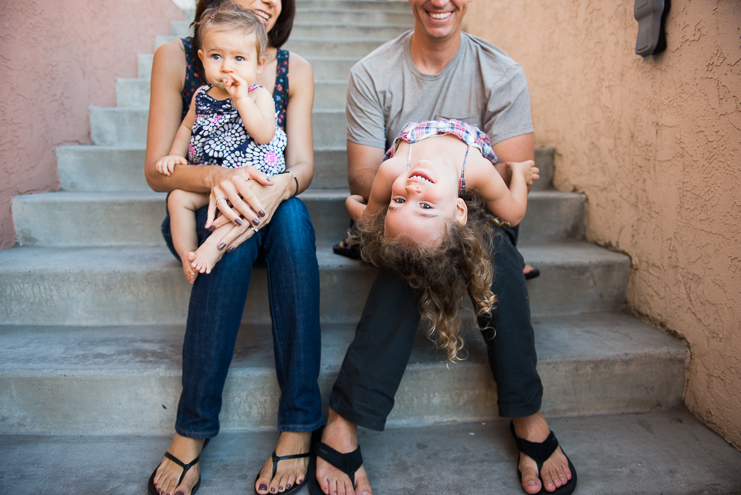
(253, 228)
(220, 197)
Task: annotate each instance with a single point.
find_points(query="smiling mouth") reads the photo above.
(419, 175)
(262, 15)
(440, 16)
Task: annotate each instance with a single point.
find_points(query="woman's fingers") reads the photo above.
(245, 201)
(237, 236)
(260, 177)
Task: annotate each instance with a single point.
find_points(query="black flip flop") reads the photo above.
(275, 470)
(152, 490)
(343, 248)
(347, 463)
(534, 273)
(540, 452)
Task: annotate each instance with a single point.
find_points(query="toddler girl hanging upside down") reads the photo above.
(231, 122)
(428, 217)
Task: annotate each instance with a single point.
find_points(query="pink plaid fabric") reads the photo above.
(417, 131)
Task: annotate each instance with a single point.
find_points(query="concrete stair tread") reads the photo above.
(155, 349)
(590, 364)
(662, 452)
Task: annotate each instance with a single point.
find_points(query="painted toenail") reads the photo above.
(288, 486)
(179, 493)
(263, 487)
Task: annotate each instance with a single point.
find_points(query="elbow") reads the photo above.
(154, 180)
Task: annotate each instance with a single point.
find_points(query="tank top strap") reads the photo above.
(192, 79)
(280, 92)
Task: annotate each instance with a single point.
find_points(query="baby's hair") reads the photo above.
(231, 17)
(443, 274)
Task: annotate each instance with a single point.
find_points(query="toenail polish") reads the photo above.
(255, 222)
(261, 213)
(288, 486)
(222, 246)
(238, 221)
(263, 487)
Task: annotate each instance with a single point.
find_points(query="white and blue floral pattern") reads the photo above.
(218, 137)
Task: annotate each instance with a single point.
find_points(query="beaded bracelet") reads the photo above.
(295, 179)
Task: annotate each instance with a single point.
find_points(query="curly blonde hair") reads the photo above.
(460, 263)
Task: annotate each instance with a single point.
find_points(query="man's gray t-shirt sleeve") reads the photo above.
(365, 117)
(507, 114)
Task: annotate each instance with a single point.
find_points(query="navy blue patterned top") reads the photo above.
(193, 81)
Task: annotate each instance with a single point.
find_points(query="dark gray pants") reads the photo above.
(377, 358)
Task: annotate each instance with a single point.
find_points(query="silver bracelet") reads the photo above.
(295, 180)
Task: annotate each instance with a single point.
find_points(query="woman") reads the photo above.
(276, 223)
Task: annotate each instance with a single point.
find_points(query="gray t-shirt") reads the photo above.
(481, 85)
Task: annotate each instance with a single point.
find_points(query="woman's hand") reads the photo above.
(232, 195)
(267, 196)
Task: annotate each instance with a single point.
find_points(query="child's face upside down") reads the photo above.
(424, 199)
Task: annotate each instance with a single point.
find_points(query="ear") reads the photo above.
(260, 64)
(461, 212)
(200, 55)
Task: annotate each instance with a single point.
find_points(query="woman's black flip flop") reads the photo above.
(152, 490)
(540, 452)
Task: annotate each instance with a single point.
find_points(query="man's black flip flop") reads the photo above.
(347, 463)
(540, 452)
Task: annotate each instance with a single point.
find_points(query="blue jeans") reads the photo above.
(287, 247)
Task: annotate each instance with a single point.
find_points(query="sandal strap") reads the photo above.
(186, 467)
(347, 463)
(537, 451)
(276, 459)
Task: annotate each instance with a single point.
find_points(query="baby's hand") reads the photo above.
(527, 169)
(236, 87)
(355, 206)
(166, 165)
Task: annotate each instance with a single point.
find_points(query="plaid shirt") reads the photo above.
(417, 131)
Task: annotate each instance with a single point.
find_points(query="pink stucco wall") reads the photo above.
(58, 58)
(656, 147)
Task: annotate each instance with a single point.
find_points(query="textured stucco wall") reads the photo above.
(58, 58)
(656, 146)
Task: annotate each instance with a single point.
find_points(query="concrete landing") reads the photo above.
(657, 453)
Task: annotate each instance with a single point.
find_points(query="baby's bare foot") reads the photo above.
(205, 258)
(190, 274)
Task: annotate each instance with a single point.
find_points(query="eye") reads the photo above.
(239, 58)
(399, 201)
(216, 56)
(425, 206)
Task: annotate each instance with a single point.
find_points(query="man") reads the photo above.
(434, 72)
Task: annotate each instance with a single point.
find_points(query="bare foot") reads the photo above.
(190, 273)
(342, 436)
(555, 472)
(205, 257)
(290, 472)
(168, 473)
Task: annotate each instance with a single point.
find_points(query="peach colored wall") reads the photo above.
(656, 147)
(58, 58)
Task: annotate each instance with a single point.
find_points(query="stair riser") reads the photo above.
(428, 394)
(157, 293)
(326, 28)
(332, 48)
(99, 169)
(351, 17)
(57, 219)
(308, 5)
(128, 127)
(80, 169)
(134, 93)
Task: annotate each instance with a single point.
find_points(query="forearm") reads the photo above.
(259, 124)
(198, 179)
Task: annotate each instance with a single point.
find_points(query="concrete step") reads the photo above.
(355, 16)
(128, 127)
(661, 452)
(126, 379)
(355, 5)
(144, 65)
(356, 27)
(145, 285)
(122, 168)
(349, 47)
(328, 94)
(80, 219)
